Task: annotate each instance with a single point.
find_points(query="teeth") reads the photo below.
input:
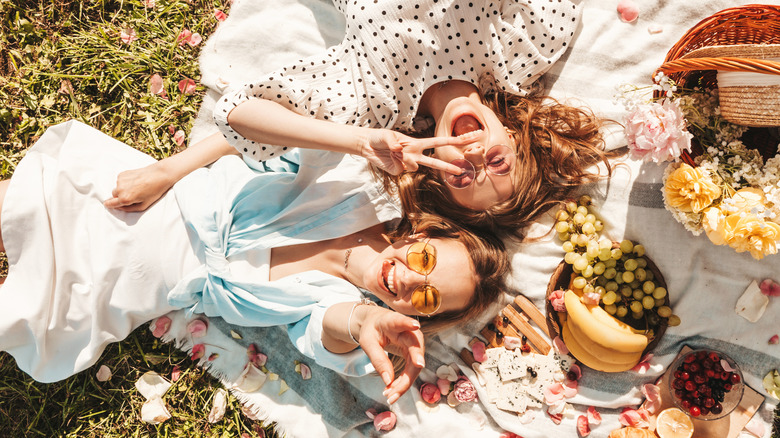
(390, 277)
(470, 133)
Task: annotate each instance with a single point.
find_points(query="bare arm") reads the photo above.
(377, 330)
(137, 189)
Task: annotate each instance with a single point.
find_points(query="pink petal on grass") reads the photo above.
(384, 421)
(198, 351)
(156, 85)
(219, 15)
(187, 86)
(179, 137)
(583, 428)
(175, 373)
(160, 326)
(195, 39)
(103, 374)
(594, 416)
(774, 340)
(628, 11)
(150, 3)
(127, 35)
(769, 288)
(198, 328)
(478, 349)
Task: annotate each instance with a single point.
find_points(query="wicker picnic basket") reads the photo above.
(743, 39)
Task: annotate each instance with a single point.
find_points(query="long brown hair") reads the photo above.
(557, 143)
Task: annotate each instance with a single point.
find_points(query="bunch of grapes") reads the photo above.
(618, 273)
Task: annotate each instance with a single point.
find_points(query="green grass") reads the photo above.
(63, 60)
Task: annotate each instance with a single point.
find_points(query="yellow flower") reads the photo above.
(747, 232)
(689, 190)
(713, 221)
(745, 200)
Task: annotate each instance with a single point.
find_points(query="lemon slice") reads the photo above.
(673, 423)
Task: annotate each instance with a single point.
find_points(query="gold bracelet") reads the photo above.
(365, 301)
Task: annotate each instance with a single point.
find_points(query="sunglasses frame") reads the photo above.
(485, 167)
(421, 292)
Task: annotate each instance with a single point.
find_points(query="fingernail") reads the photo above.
(385, 392)
(416, 323)
(420, 362)
(392, 399)
(386, 378)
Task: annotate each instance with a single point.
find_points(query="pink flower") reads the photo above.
(593, 415)
(478, 349)
(653, 395)
(256, 357)
(187, 86)
(198, 351)
(657, 132)
(583, 428)
(591, 298)
(150, 3)
(556, 299)
(198, 328)
(644, 364)
(178, 137)
(443, 385)
(219, 15)
(127, 35)
(770, 288)
(156, 85)
(430, 393)
(464, 390)
(160, 326)
(774, 340)
(384, 421)
(628, 11)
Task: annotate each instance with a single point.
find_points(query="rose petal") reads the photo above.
(576, 370)
(644, 364)
(756, 426)
(198, 351)
(160, 326)
(774, 340)
(154, 411)
(478, 350)
(128, 35)
(556, 418)
(570, 388)
(591, 298)
(260, 359)
(583, 428)
(195, 39)
(305, 371)
(219, 403)
(653, 395)
(178, 138)
(447, 372)
(594, 416)
(219, 15)
(752, 303)
(103, 374)
(628, 11)
(152, 385)
(251, 379)
(213, 357)
(184, 36)
(444, 386)
(371, 413)
(654, 29)
(511, 342)
(198, 328)
(557, 408)
(384, 421)
(560, 347)
(175, 373)
(553, 393)
(770, 288)
(187, 86)
(633, 418)
(156, 85)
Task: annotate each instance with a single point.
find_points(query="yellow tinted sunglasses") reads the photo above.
(421, 258)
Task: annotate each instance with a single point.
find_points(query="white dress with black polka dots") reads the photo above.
(395, 49)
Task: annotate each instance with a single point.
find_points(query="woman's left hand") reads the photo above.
(386, 330)
(394, 152)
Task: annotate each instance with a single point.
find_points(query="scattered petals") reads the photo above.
(154, 411)
(198, 351)
(583, 428)
(446, 372)
(556, 299)
(444, 386)
(553, 393)
(756, 427)
(103, 374)
(371, 413)
(187, 86)
(156, 85)
(478, 349)
(187, 37)
(591, 298)
(160, 326)
(430, 393)
(752, 303)
(195, 39)
(576, 370)
(633, 418)
(152, 385)
(219, 403)
(251, 379)
(66, 87)
(257, 358)
(219, 15)
(171, 129)
(213, 357)
(198, 328)
(249, 413)
(628, 11)
(654, 29)
(772, 384)
(127, 35)
(570, 388)
(510, 343)
(556, 418)
(452, 401)
(770, 288)
(235, 335)
(384, 421)
(305, 371)
(594, 416)
(179, 137)
(175, 373)
(560, 347)
(644, 364)
(150, 3)
(283, 387)
(653, 395)
(774, 340)
(727, 366)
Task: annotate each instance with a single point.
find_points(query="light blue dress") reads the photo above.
(236, 215)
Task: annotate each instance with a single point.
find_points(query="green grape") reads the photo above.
(562, 215)
(599, 268)
(611, 309)
(588, 289)
(601, 290)
(579, 282)
(611, 286)
(590, 218)
(572, 227)
(563, 237)
(588, 228)
(638, 315)
(580, 263)
(664, 311)
(605, 244)
(584, 200)
(571, 207)
(653, 319)
(659, 292)
(617, 254)
(592, 249)
(568, 246)
(610, 273)
(639, 250)
(611, 263)
(579, 218)
(637, 294)
(648, 287)
(562, 227)
(621, 311)
(609, 298)
(588, 271)
(626, 290)
(640, 274)
(642, 262)
(659, 302)
(650, 275)
(582, 239)
(636, 306)
(630, 265)
(583, 210)
(635, 284)
(626, 246)
(628, 276)
(598, 225)
(570, 257)
(605, 254)
(673, 321)
(648, 302)
(619, 278)
(573, 238)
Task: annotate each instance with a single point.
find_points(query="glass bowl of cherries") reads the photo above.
(706, 384)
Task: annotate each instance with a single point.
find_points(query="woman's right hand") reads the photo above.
(394, 152)
(138, 189)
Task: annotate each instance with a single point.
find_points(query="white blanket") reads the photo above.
(704, 281)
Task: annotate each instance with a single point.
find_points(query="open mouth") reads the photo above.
(388, 276)
(465, 124)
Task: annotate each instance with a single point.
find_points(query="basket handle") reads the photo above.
(723, 64)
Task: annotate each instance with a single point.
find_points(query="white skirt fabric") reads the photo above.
(82, 276)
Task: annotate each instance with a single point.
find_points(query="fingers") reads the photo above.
(435, 142)
(378, 358)
(438, 164)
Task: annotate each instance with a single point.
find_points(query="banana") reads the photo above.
(588, 359)
(602, 315)
(605, 335)
(606, 355)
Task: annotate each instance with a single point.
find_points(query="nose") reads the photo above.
(475, 153)
(410, 279)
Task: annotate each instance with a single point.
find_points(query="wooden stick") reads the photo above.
(533, 312)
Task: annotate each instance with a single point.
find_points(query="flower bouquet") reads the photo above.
(729, 191)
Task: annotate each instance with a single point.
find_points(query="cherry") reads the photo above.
(704, 410)
(685, 375)
(689, 358)
(734, 378)
(699, 378)
(694, 367)
(713, 356)
(690, 386)
(709, 402)
(695, 411)
(685, 403)
(678, 383)
(709, 373)
(727, 386)
(717, 408)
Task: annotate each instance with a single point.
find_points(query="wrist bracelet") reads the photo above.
(365, 301)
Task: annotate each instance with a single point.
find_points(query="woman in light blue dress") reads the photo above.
(291, 242)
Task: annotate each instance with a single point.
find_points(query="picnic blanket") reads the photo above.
(704, 281)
